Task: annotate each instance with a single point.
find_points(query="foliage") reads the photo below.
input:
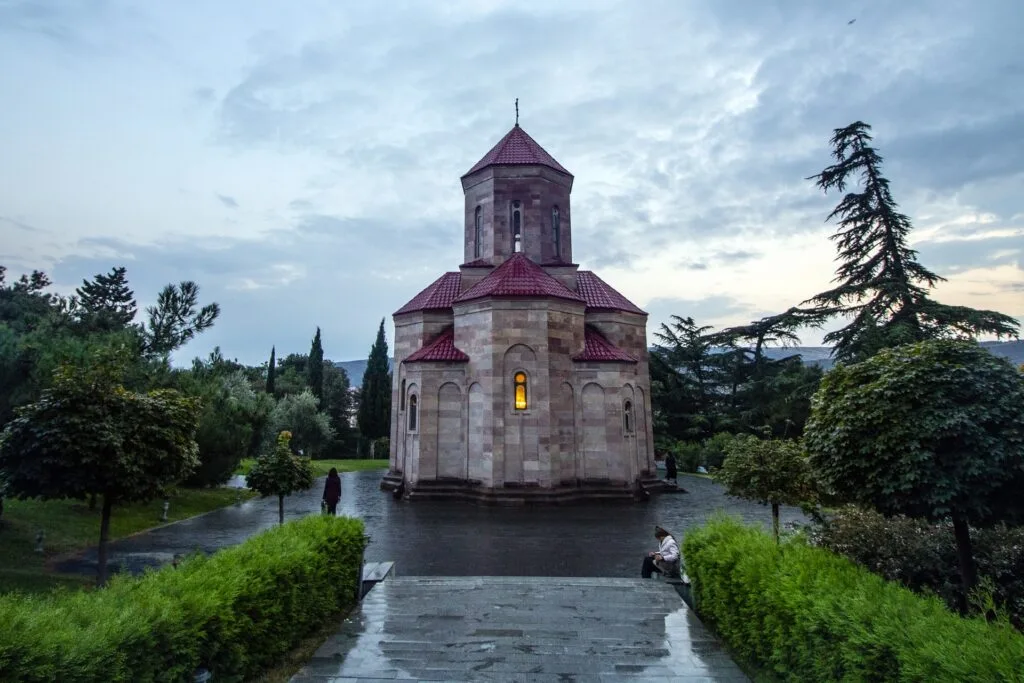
(235, 613)
(280, 473)
(922, 555)
(771, 472)
(805, 614)
(176, 318)
(374, 413)
(300, 415)
(933, 430)
(87, 435)
(107, 303)
(337, 405)
(315, 368)
(271, 370)
(381, 447)
(70, 526)
(880, 283)
(705, 382)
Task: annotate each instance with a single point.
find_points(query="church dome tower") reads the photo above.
(517, 200)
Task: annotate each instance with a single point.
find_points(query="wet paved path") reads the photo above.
(433, 538)
(521, 629)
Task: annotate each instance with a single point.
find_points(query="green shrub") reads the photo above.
(806, 614)
(714, 450)
(922, 555)
(382, 448)
(236, 612)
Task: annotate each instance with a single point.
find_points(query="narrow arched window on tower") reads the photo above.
(519, 384)
(556, 232)
(412, 413)
(478, 232)
(627, 416)
(517, 227)
(401, 399)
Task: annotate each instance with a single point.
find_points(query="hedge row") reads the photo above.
(806, 614)
(235, 613)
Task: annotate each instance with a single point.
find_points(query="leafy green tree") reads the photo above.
(89, 435)
(299, 414)
(106, 303)
(292, 375)
(271, 370)
(374, 413)
(280, 473)
(880, 283)
(337, 405)
(315, 367)
(176, 318)
(772, 472)
(933, 430)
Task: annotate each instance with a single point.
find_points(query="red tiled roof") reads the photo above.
(478, 263)
(441, 350)
(596, 347)
(600, 295)
(517, 149)
(436, 297)
(519, 277)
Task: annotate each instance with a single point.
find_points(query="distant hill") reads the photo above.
(812, 355)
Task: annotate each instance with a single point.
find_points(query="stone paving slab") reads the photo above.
(536, 629)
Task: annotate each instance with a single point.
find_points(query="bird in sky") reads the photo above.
(850, 21)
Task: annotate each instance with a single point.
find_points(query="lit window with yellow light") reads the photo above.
(519, 381)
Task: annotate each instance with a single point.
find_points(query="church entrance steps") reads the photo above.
(521, 629)
(521, 494)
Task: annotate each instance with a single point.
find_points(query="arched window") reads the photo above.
(478, 231)
(627, 416)
(412, 413)
(519, 385)
(517, 226)
(401, 399)
(556, 231)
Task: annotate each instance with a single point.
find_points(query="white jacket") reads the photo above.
(670, 560)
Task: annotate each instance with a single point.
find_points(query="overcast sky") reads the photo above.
(300, 160)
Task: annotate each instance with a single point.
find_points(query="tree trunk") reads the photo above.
(280, 509)
(101, 554)
(775, 521)
(965, 553)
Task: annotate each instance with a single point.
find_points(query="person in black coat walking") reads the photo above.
(670, 469)
(332, 491)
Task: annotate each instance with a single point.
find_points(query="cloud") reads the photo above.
(227, 201)
(336, 135)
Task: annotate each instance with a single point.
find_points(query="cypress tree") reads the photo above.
(374, 414)
(880, 284)
(271, 371)
(315, 368)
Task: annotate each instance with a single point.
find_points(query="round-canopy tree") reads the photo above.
(932, 430)
(772, 472)
(280, 473)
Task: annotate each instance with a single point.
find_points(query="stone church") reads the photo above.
(520, 377)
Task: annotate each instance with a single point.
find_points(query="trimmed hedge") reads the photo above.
(236, 612)
(806, 614)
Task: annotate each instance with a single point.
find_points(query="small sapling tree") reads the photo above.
(280, 473)
(772, 472)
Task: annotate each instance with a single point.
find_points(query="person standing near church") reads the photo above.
(670, 469)
(332, 491)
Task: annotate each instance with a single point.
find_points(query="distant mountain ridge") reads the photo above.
(811, 355)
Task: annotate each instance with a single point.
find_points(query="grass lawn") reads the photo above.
(69, 525)
(322, 467)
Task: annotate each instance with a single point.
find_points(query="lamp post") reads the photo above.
(40, 537)
(167, 506)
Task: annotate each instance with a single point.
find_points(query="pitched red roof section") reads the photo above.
(519, 277)
(600, 295)
(438, 296)
(597, 348)
(517, 149)
(441, 350)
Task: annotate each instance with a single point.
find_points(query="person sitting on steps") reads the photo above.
(666, 560)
